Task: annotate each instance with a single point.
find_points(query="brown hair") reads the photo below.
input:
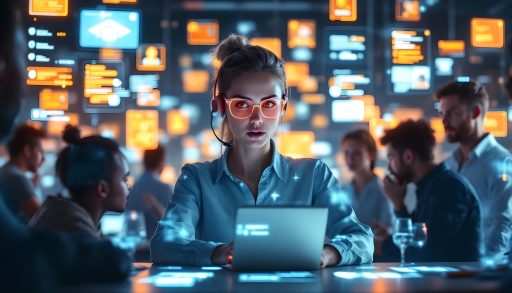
(364, 137)
(24, 135)
(470, 93)
(416, 136)
(237, 58)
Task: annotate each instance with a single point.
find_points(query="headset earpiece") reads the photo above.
(217, 106)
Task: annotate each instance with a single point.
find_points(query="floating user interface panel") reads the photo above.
(343, 10)
(142, 129)
(410, 64)
(202, 32)
(487, 32)
(151, 57)
(50, 76)
(48, 7)
(407, 10)
(109, 29)
(451, 48)
(301, 33)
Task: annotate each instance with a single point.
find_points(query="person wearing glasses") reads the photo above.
(250, 94)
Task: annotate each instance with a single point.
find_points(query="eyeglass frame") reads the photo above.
(229, 100)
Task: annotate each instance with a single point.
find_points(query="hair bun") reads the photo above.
(230, 45)
(71, 134)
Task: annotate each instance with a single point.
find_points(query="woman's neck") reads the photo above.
(91, 206)
(249, 163)
(361, 179)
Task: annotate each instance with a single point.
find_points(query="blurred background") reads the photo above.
(141, 72)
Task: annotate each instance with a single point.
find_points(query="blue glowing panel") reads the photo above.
(109, 29)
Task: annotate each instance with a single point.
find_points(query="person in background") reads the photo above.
(25, 155)
(365, 189)
(37, 261)
(95, 173)
(149, 194)
(250, 94)
(446, 201)
(480, 159)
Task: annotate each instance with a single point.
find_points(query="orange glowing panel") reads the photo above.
(496, 123)
(487, 32)
(453, 48)
(108, 54)
(53, 100)
(168, 175)
(177, 122)
(290, 113)
(309, 85)
(119, 1)
(301, 33)
(142, 129)
(377, 127)
(368, 100)
(202, 32)
(319, 121)
(371, 112)
(148, 98)
(406, 47)
(296, 144)
(50, 76)
(151, 57)
(111, 130)
(296, 72)
(437, 124)
(48, 7)
(55, 128)
(272, 44)
(313, 99)
(402, 114)
(196, 81)
(407, 10)
(99, 83)
(343, 10)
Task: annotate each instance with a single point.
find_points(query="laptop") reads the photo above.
(279, 238)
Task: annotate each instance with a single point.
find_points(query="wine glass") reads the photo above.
(133, 232)
(419, 235)
(402, 236)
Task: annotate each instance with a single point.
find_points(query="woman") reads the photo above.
(95, 172)
(369, 203)
(199, 224)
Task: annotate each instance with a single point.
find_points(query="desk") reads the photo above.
(377, 277)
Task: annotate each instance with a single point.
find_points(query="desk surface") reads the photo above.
(377, 277)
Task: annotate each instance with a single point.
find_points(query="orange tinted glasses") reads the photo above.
(243, 108)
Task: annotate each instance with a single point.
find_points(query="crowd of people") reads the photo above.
(464, 202)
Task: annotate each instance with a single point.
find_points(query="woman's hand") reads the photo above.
(223, 254)
(330, 256)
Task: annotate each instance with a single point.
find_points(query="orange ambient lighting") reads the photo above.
(272, 44)
(407, 10)
(142, 129)
(202, 32)
(496, 123)
(177, 123)
(301, 33)
(196, 81)
(487, 32)
(296, 144)
(50, 76)
(343, 10)
(48, 7)
(296, 72)
(53, 100)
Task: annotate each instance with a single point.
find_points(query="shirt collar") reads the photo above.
(423, 182)
(487, 142)
(277, 163)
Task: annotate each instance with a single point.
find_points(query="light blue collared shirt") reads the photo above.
(202, 212)
(371, 204)
(484, 169)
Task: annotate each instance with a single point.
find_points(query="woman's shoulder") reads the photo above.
(202, 167)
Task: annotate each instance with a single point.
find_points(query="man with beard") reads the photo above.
(31, 260)
(481, 160)
(446, 201)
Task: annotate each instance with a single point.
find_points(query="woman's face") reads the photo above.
(356, 155)
(259, 97)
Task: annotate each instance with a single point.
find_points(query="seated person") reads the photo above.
(150, 195)
(365, 189)
(25, 155)
(446, 201)
(95, 173)
(199, 224)
(38, 261)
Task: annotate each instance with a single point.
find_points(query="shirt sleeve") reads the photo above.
(497, 222)
(175, 240)
(353, 240)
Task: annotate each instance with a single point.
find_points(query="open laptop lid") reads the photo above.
(279, 238)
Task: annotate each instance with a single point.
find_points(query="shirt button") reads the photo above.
(241, 184)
